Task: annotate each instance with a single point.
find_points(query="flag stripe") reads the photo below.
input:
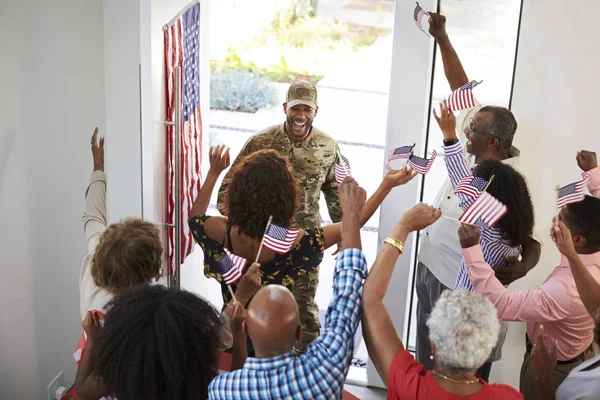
(182, 49)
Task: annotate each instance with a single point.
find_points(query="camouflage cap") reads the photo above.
(302, 93)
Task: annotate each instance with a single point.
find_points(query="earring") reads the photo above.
(431, 357)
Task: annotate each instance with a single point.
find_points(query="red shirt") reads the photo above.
(408, 380)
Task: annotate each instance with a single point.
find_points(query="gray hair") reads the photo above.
(503, 125)
(464, 327)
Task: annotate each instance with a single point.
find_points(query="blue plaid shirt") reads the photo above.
(321, 371)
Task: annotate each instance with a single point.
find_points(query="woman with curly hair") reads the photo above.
(507, 238)
(263, 185)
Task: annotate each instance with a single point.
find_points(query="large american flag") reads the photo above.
(420, 164)
(279, 238)
(232, 267)
(342, 171)
(182, 49)
(471, 186)
(462, 98)
(398, 153)
(418, 16)
(573, 193)
(486, 208)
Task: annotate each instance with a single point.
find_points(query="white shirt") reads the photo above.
(440, 248)
(581, 385)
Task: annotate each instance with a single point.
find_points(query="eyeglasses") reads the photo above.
(471, 128)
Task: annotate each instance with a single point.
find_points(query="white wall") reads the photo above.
(122, 53)
(555, 103)
(52, 96)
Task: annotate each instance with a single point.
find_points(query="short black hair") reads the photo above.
(583, 218)
(503, 125)
(159, 343)
(510, 188)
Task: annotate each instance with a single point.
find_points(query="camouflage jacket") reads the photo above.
(313, 161)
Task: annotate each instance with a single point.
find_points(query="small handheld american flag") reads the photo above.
(486, 208)
(462, 98)
(471, 186)
(420, 164)
(573, 193)
(342, 171)
(399, 153)
(231, 267)
(279, 238)
(418, 16)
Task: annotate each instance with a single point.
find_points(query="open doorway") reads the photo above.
(345, 48)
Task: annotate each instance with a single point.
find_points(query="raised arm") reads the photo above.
(455, 73)
(333, 233)
(587, 286)
(333, 350)
(88, 384)
(588, 163)
(94, 218)
(219, 161)
(456, 163)
(383, 343)
(247, 149)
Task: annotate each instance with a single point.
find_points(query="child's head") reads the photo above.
(159, 343)
(583, 220)
(129, 253)
(510, 188)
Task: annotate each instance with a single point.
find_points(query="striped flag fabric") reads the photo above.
(342, 171)
(182, 47)
(232, 267)
(485, 208)
(573, 193)
(420, 164)
(279, 238)
(402, 152)
(462, 98)
(471, 186)
(418, 16)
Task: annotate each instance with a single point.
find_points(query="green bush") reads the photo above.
(240, 91)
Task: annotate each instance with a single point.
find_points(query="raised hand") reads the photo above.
(352, 197)
(446, 120)
(98, 151)
(91, 326)
(219, 159)
(561, 235)
(587, 160)
(397, 177)
(238, 318)
(415, 218)
(468, 235)
(437, 25)
(248, 284)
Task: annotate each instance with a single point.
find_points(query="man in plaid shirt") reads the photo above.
(273, 325)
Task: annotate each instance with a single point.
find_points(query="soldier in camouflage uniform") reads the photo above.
(312, 155)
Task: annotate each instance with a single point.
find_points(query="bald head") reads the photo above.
(272, 321)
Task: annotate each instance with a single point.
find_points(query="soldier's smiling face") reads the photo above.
(299, 120)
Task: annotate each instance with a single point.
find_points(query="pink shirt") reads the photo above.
(556, 303)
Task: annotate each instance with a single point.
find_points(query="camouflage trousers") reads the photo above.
(304, 290)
